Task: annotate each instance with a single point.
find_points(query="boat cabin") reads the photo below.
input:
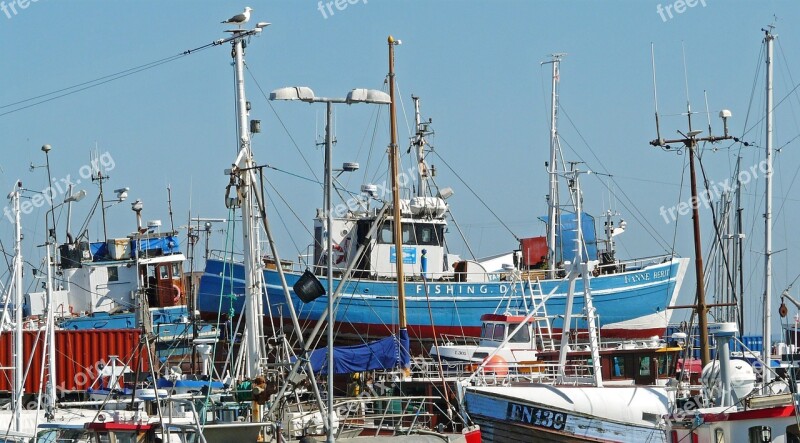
(423, 228)
(104, 277)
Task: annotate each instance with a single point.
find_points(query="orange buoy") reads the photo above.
(496, 365)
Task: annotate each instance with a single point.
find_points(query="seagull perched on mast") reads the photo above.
(240, 19)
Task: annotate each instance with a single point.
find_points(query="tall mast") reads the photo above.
(51, 333)
(18, 361)
(252, 254)
(419, 145)
(394, 160)
(739, 250)
(768, 39)
(552, 168)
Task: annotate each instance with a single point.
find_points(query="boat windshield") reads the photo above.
(522, 336)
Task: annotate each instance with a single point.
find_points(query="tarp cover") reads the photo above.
(165, 245)
(386, 353)
(566, 234)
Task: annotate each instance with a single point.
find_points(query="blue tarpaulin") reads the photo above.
(152, 246)
(387, 353)
(566, 234)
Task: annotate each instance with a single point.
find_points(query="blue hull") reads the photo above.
(631, 304)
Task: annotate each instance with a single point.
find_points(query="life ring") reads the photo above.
(338, 254)
(177, 297)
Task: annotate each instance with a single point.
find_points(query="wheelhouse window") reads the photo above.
(644, 366)
(760, 434)
(499, 332)
(425, 234)
(113, 273)
(386, 236)
(617, 366)
(487, 330)
(665, 363)
(719, 436)
(522, 336)
(792, 434)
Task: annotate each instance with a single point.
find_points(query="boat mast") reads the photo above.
(419, 144)
(690, 140)
(552, 168)
(738, 245)
(18, 361)
(252, 253)
(768, 39)
(51, 333)
(394, 155)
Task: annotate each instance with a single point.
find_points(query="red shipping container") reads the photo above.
(534, 251)
(78, 356)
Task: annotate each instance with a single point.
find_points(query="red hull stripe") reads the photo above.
(753, 414)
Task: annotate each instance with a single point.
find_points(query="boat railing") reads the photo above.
(439, 277)
(460, 340)
(401, 414)
(372, 412)
(637, 263)
(502, 373)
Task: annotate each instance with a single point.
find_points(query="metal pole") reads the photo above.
(552, 170)
(46, 149)
(100, 177)
(18, 361)
(51, 334)
(251, 255)
(766, 376)
(329, 246)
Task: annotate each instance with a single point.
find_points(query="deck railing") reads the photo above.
(433, 277)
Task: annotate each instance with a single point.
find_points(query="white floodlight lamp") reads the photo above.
(361, 95)
(302, 93)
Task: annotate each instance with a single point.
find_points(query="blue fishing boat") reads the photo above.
(444, 293)
(630, 304)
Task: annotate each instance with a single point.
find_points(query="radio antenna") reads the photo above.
(655, 93)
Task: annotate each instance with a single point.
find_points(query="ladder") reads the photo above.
(542, 327)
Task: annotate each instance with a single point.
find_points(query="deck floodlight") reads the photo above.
(302, 93)
(361, 95)
(76, 197)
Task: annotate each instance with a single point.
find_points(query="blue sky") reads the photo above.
(476, 65)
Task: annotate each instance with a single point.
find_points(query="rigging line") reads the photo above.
(283, 125)
(376, 114)
(114, 77)
(633, 208)
(283, 222)
(715, 223)
(455, 223)
(96, 80)
(753, 90)
(402, 105)
(652, 230)
(788, 70)
(675, 225)
(476, 195)
(791, 184)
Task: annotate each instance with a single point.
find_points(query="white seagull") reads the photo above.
(240, 19)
